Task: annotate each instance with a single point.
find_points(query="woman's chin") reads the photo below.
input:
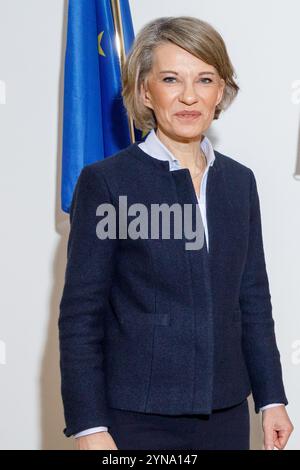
(188, 134)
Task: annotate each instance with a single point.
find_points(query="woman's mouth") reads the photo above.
(188, 116)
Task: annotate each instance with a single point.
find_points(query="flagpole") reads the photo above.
(117, 16)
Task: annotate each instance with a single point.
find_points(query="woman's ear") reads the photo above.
(221, 91)
(145, 95)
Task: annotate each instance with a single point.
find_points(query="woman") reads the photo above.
(161, 340)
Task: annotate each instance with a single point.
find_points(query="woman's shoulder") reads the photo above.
(232, 165)
(119, 162)
(110, 161)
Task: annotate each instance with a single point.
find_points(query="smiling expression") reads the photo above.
(181, 83)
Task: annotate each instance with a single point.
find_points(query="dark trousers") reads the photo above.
(226, 429)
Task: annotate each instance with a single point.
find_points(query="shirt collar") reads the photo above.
(154, 147)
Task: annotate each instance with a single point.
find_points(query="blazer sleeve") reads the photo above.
(89, 271)
(258, 336)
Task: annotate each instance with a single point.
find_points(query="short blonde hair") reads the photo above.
(195, 36)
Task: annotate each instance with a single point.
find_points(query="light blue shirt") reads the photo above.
(154, 147)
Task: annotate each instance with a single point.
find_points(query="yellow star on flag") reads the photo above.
(100, 50)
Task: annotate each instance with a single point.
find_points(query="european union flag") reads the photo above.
(95, 123)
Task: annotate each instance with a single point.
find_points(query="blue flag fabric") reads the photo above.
(95, 123)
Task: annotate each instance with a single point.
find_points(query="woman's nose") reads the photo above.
(188, 94)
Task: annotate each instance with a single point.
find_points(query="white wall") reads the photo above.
(261, 130)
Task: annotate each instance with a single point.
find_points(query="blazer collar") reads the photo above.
(153, 146)
(163, 164)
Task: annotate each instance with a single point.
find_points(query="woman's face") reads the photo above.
(179, 82)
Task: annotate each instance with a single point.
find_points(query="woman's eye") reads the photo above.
(167, 78)
(203, 80)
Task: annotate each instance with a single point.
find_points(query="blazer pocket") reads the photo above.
(139, 318)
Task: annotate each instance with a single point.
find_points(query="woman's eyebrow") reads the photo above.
(176, 73)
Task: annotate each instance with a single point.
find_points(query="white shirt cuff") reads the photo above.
(270, 406)
(86, 432)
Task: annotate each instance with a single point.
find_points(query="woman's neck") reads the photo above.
(189, 154)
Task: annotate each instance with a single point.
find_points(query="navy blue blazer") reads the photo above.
(131, 333)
